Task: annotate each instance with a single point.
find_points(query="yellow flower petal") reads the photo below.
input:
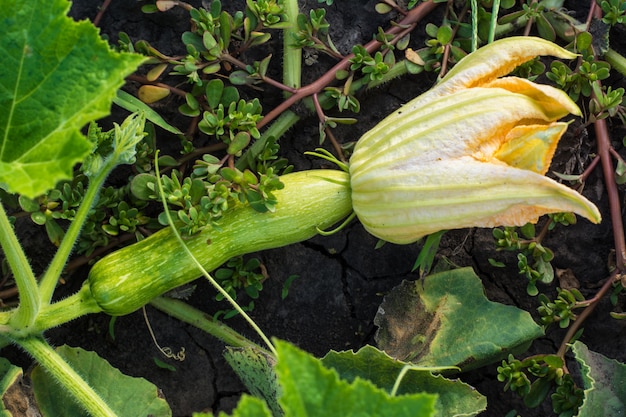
(531, 147)
(499, 58)
(555, 102)
(468, 122)
(401, 206)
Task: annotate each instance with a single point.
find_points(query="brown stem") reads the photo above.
(604, 151)
(103, 8)
(242, 65)
(589, 169)
(593, 302)
(411, 19)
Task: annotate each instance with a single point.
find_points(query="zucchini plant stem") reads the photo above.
(190, 315)
(44, 354)
(292, 57)
(51, 276)
(30, 299)
(616, 60)
(67, 309)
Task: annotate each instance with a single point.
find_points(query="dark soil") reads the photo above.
(342, 278)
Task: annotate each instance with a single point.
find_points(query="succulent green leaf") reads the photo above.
(455, 398)
(446, 320)
(604, 380)
(310, 390)
(127, 396)
(57, 75)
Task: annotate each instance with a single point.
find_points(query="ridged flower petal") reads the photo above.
(498, 59)
(470, 152)
(447, 194)
(472, 121)
(556, 103)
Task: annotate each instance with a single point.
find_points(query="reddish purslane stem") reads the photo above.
(409, 20)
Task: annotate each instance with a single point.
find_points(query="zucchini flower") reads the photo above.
(471, 152)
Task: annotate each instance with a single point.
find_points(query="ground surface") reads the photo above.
(342, 278)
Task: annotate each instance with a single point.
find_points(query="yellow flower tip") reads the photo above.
(555, 103)
(499, 58)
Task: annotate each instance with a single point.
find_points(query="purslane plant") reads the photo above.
(110, 289)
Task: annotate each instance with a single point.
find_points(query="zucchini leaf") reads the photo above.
(310, 389)
(17, 398)
(256, 370)
(604, 381)
(57, 75)
(126, 395)
(454, 398)
(248, 406)
(446, 320)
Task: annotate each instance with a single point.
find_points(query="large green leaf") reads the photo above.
(308, 388)
(605, 383)
(16, 398)
(255, 368)
(454, 398)
(56, 76)
(312, 390)
(127, 396)
(247, 407)
(446, 320)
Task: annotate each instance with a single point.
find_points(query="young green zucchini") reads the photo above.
(127, 279)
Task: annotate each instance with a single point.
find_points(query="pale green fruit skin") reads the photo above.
(129, 278)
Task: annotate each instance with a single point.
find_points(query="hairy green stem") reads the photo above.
(495, 9)
(47, 357)
(188, 314)
(25, 280)
(616, 60)
(410, 19)
(76, 305)
(283, 123)
(50, 278)
(292, 57)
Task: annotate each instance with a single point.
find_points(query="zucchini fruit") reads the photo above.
(129, 278)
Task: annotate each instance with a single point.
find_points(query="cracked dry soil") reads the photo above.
(341, 278)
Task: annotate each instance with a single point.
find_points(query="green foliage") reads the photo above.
(533, 259)
(313, 33)
(239, 274)
(561, 310)
(423, 323)
(54, 400)
(256, 370)
(454, 398)
(44, 109)
(614, 11)
(373, 67)
(603, 381)
(535, 12)
(310, 389)
(533, 378)
(579, 82)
